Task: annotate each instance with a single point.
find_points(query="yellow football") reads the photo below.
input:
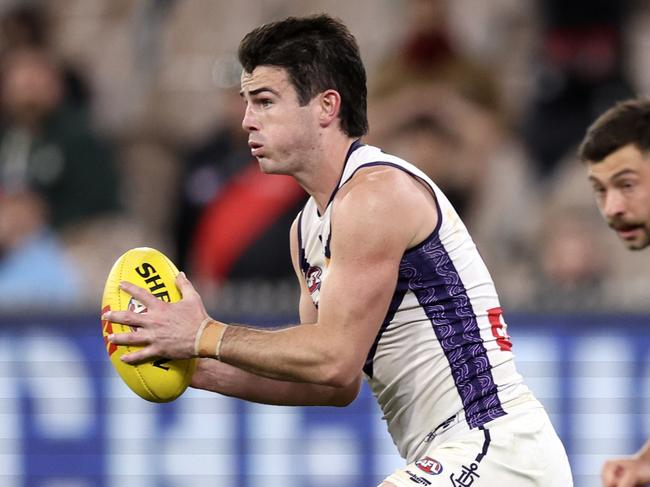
(159, 380)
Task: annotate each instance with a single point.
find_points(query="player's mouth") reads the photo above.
(627, 231)
(256, 148)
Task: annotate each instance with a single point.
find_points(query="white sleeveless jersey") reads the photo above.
(442, 351)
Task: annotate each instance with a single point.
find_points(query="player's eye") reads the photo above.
(598, 190)
(627, 184)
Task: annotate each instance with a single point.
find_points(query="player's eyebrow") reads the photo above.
(622, 172)
(257, 91)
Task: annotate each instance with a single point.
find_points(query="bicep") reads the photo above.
(374, 223)
(356, 297)
(360, 284)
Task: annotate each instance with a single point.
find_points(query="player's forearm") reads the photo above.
(303, 353)
(216, 376)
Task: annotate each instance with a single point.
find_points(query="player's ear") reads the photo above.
(330, 106)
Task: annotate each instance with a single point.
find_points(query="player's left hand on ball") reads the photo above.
(165, 329)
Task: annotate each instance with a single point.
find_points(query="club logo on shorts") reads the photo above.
(467, 476)
(313, 279)
(429, 465)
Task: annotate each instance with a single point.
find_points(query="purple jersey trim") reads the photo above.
(412, 174)
(433, 278)
(429, 273)
(304, 265)
(354, 146)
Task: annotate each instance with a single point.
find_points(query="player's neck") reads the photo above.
(324, 173)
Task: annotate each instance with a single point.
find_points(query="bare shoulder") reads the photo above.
(386, 183)
(388, 199)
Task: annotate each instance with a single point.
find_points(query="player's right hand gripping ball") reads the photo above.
(158, 380)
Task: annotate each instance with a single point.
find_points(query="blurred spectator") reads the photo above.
(427, 85)
(572, 266)
(149, 171)
(34, 269)
(581, 72)
(443, 133)
(442, 111)
(27, 25)
(48, 145)
(427, 54)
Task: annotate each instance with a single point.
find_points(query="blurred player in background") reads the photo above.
(616, 152)
(393, 286)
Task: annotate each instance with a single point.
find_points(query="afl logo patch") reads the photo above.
(136, 306)
(429, 465)
(313, 279)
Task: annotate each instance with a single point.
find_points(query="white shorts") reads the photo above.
(520, 449)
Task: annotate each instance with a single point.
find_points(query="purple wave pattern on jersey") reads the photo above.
(433, 278)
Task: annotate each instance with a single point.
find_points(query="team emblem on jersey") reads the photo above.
(466, 478)
(313, 279)
(429, 465)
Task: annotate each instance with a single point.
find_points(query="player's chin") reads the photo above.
(270, 166)
(266, 164)
(639, 243)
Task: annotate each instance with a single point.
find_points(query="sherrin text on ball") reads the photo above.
(158, 380)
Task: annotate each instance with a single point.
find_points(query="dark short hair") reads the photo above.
(319, 53)
(627, 122)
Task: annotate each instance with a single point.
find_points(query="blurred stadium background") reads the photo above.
(120, 127)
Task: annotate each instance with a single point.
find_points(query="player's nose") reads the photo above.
(249, 122)
(614, 204)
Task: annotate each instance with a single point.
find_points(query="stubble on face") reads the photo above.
(625, 176)
(284, 132)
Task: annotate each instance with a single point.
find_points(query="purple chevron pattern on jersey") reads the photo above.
(432, 277)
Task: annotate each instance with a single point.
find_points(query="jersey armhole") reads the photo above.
(434, 232)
